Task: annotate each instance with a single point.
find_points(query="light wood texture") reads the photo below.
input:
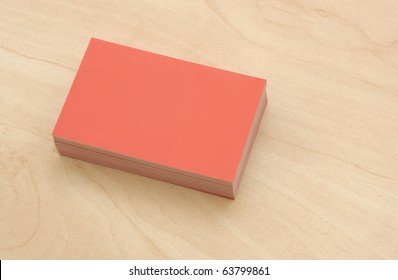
(322, 179)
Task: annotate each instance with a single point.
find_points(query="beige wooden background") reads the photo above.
(322, 179)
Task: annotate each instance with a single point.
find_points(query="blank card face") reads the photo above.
(160, 110)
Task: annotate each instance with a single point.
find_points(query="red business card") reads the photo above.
(152, 111)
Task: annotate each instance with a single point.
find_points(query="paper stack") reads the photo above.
(161, 117)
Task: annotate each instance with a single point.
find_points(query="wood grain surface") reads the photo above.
(322, 179)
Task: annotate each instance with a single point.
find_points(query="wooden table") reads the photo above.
(322, 179)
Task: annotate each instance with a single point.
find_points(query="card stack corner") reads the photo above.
(161, 117)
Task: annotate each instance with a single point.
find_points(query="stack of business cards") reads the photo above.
(161, 117)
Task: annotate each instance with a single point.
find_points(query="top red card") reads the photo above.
(161, 110)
